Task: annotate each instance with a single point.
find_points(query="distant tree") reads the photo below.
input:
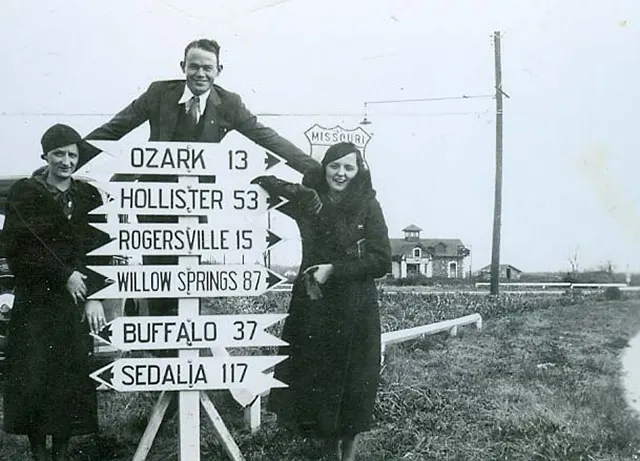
(574, 260)
(607, 267)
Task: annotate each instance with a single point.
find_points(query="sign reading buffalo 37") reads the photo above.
(321, 138)
(170, 332)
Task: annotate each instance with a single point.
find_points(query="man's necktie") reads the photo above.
(193, 114)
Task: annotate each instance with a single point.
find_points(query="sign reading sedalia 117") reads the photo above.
(199, 373)
(198, 281)
(234, 159)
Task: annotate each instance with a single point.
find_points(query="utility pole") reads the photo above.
(497, 204)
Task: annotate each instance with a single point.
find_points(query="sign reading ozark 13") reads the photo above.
(237, 159)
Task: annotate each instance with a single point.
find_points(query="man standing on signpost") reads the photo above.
(195, 109)
(198, 110)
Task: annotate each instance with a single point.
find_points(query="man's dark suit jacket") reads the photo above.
(224, 112)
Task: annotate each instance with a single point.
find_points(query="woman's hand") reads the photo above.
(320, 272)
(94, 312)
(76, 287)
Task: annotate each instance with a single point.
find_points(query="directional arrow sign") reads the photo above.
(178, 200)
(147, 333)
(179, 374)
(198, 281)
(181, 239)
(236, 158)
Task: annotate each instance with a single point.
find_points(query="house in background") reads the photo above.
(413, 255)
(507, 272)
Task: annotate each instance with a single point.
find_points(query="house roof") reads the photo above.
(449, 247)
(502, 266)
(411, 228)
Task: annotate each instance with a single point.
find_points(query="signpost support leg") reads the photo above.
(189, 401)
(150, 432)
(252, 415)
(220, 429)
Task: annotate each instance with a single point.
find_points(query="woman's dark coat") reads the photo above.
(334, 342)
(46, 376)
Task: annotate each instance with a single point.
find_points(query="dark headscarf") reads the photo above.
(360, 189)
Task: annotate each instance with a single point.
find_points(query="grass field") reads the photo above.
(537, 384)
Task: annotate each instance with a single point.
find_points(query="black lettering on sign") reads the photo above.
(148, 374)
(244, 239)
(245, 199)
(181, 158)
(238, 160)
(211, 280)
(234, 372)
(168, 329)
(127, 371)
(243, 328)
(251, 280)
(136, 197)
(144, 281)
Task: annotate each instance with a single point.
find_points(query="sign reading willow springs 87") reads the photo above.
(236, 231)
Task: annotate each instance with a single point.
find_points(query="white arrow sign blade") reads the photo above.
(198, 281)
(197, 374)
(171, 332)
(235, 159)
(181, 239)
(173, 199)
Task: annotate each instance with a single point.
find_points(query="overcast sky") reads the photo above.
(571, 69)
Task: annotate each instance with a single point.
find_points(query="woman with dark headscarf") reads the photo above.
(46, 235)
(333, 327)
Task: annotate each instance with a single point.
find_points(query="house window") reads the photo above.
(417, 253)
(453, 269)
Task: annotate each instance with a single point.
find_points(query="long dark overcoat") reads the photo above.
(46, 380)
(334, 342)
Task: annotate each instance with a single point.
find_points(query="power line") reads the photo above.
(262, 114)
(440, 98)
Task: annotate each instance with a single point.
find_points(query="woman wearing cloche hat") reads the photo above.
(46, 234)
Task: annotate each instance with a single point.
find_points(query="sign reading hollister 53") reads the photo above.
(177, 200)
(321, 138)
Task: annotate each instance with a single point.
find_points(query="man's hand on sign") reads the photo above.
(76, 287)
(320, 272)
(94, 313)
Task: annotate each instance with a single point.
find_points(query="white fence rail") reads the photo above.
(555, 284)
(394, 337)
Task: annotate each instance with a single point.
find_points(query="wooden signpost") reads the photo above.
(237, 231)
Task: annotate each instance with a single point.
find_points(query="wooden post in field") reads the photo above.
(497, 210)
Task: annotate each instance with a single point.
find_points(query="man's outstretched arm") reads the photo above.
(247, 124)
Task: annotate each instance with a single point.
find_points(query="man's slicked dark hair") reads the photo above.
(204, 44)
